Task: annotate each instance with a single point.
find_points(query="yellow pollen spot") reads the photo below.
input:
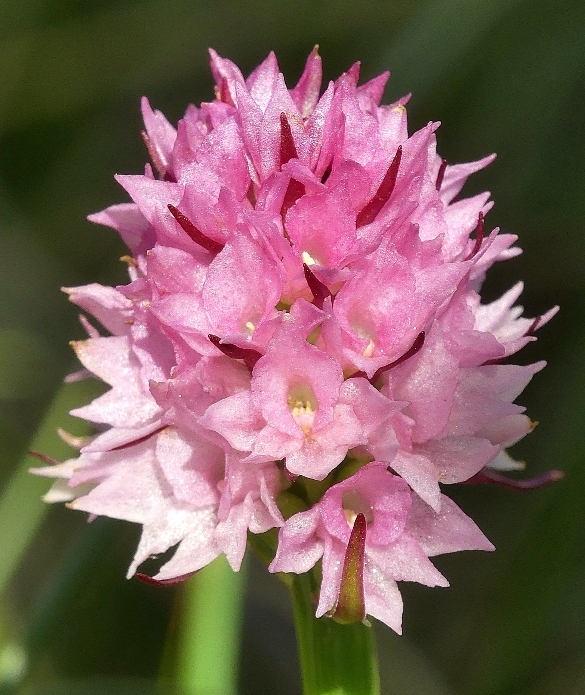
(369, 350)
(303, 407)
(303, 413)
(308, 259)
(399, 108)
(250, 326)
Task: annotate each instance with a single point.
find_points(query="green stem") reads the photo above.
(335, 659)
(209, 639)
(22, 512)
(21, 508)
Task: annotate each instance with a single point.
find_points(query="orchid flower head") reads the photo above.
(302, 319)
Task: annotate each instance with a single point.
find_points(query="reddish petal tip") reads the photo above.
(441, 175)
(489, 477)
(44, 458)
(382, 196)
(195, 234)
(319, 290)
(479, 234)
(146, 579)
(287, 143)
(247, 355)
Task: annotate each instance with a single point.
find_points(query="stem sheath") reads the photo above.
(335, 659)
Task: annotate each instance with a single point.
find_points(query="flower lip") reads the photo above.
(293, 370)
(382, 498)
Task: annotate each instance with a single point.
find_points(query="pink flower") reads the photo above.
(302, 318)
(402, 533)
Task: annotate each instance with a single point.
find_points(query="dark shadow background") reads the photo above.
(504, 76)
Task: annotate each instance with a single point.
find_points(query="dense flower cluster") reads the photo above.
(302, 323)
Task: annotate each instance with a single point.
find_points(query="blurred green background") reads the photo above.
(501, 75)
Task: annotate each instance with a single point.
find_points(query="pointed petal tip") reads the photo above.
(74, 441)
(492, 477)
(44, 458)
(147, 579)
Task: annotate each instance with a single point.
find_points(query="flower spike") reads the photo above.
(329, 407)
